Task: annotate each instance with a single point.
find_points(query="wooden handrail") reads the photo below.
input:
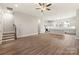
(15, 31)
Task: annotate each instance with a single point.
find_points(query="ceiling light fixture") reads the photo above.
(15, 5)
(44, 6)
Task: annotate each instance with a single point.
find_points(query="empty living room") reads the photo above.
(39, 28)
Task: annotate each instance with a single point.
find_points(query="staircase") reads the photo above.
(9, 36)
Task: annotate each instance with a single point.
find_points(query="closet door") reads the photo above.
(8, 23)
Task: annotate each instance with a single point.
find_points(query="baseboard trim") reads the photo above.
(77, 37)
(27, 35)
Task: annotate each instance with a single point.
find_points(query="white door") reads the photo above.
(8, 22)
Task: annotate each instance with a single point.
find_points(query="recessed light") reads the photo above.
(15, 5)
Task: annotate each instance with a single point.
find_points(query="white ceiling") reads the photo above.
(56, 8)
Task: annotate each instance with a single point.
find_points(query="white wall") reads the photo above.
(8, 22)
(0, 31)
(1, 27)
(61, 15)
(26, 24)
(77, 24)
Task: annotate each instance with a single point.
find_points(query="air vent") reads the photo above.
(9, 8)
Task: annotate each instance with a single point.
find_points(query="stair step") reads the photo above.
(8, 35)
(8, 38)
(6, 41)
(11, 35)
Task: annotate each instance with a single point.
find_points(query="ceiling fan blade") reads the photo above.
(37, 8)
(40, 4)
(41, 10)
(48, 9)
(49, 5)
(9, 8)
(43, 4)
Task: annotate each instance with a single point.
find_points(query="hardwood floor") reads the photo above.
(42, 44)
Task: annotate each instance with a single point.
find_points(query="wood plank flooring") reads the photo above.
(42, 44)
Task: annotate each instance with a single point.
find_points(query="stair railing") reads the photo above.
(14, 26)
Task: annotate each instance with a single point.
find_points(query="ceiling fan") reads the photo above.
(44, 6)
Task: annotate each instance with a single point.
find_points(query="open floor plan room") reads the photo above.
(39, 29)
